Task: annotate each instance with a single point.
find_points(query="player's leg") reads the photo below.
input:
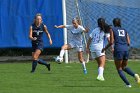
(35, 56)
(101, 63)
(128, 70)
(100, 58)
(42, 62)
(118, 59)
(118, 64)
(81, 59)
(62, 52)
(39, 49)
(64, 47)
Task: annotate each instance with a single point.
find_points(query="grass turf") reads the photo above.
(63, 78)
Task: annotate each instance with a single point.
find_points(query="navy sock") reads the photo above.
(129, 71)
(34, 64)
(40, 61)
(122, 75)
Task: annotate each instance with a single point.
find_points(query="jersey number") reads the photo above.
(121, 33)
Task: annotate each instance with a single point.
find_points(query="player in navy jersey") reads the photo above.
(35, 34)
(121, 41)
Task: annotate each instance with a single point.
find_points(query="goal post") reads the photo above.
(65, 30)
(91, 10)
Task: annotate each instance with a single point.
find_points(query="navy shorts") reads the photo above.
(121, 55)
(37, 45)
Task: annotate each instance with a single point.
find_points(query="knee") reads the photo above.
(81, 60)
(123, 68)
(35, 57)
(64, 47)
(119, 68)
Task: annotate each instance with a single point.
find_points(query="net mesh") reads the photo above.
(91, 10)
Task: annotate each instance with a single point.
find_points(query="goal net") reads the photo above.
(91, 10)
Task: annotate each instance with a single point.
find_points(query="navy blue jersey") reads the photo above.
(120, 39)
(37, 32)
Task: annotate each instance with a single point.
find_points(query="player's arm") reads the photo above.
(30, 34)
(86, 30)
(60, 26)
(88, 44)
(110, 42)
(128, 39)
(108, 39)
(48, 34)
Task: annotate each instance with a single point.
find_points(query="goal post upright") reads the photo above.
(65, 30)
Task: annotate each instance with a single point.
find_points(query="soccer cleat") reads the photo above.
(100, 78)
(137, 78)
(32, 71)
(48, 66)
(85, 71)
(129, 86)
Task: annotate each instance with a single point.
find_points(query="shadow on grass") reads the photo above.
(90, 86)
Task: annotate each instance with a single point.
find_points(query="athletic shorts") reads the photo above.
(96, 54)
(121, 55)
(37, 45)
(79, 47)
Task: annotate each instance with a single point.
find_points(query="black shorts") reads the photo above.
(121, 55)
(37, 45)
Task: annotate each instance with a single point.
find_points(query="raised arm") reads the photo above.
(60, 26)
(48, 34)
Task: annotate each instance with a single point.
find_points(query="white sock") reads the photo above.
(62, 52)
(100, 71)
(84, 65)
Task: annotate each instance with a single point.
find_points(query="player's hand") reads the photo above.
(86, 30)
(55, 26)
(34, 38)
(50, 42)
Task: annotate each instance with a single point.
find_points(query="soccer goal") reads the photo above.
(91, 10)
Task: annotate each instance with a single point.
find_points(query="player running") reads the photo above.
(76, 42)
(121, 41)
(35, 34)
(95, 45)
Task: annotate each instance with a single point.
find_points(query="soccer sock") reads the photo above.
(100, 71)
(122, 75)
(34, 64)
(129, 71)
(62, 53)
(41, 61)
(84, 65)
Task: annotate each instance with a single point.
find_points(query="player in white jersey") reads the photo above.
(95, 45)
(76, 42)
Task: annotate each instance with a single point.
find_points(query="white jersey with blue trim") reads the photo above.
(76, 33)
(98, 39)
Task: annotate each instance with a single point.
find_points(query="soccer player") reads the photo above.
(121, 41)
(35, 35)
(76, 41)
(96, 43)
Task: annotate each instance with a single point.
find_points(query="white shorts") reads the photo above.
(79, 47)
(96, 54)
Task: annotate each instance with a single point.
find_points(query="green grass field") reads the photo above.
(63, 78)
